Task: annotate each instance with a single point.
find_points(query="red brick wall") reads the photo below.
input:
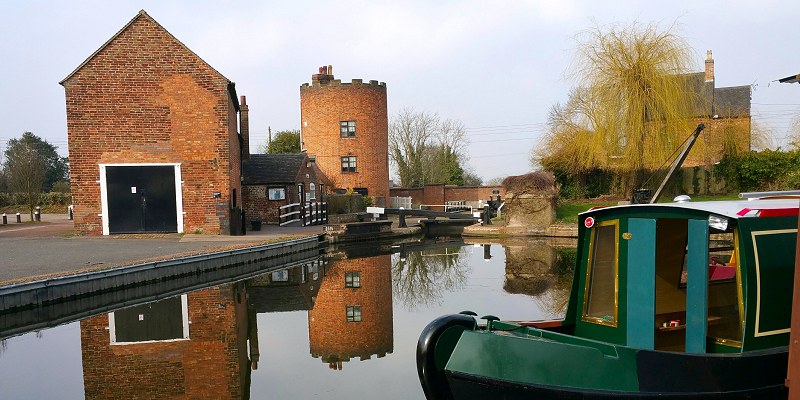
(145, 98)
(211, 364)
(438, 194)
(331, 337)
(719, 133)
(323, 106)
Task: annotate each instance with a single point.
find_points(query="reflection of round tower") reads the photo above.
(346, 127)
(352, 315)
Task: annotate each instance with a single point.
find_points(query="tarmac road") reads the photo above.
(32, 251)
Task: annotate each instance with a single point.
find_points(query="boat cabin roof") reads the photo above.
(732, 208)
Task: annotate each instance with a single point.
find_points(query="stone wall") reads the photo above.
(534, 211)
(438, 194)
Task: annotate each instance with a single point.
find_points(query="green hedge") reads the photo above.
(45, 199)
(345, 203)
(761, 171)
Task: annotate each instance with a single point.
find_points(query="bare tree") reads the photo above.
(26, 171)
(425, 149)
(410, 133)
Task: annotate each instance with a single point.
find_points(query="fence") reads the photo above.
(309, 213)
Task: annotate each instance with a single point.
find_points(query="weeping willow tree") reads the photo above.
(631, 108)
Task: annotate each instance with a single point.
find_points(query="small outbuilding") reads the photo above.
(272, 181)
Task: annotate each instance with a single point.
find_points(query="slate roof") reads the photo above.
(267, 299)
(272, 168)
(727, 102)
(732, 101)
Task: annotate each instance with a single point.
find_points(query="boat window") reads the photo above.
(724, 309)
(600, 297)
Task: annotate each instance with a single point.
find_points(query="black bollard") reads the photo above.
(19, 218)
(5, 219)
(487, 215)
(71, 216)
(38, 215)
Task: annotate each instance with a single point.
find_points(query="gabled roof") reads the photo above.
(141, 14)
(272, 168)
(726, 102)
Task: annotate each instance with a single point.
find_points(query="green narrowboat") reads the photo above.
(687, 300)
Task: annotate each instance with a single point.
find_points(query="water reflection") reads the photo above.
(194, 346)
(352, 315)
(210, 343)
(421, 278)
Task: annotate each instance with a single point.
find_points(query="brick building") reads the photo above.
(725, 111)
(352, 314)
(346, 127)
(190, 346)
(275, 180)
(153, 137)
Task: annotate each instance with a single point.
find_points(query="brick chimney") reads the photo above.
(709, 67)
(324, 76)
(244, 127)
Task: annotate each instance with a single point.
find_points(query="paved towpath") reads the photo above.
(31, 251)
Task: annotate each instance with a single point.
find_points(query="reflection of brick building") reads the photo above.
(211, 364)
(355, 321)
(290, 289)
(346, 127)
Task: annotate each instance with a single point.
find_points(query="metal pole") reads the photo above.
(793, 371)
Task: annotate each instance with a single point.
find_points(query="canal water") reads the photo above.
(344, 325)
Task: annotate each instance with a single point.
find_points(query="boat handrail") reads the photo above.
(769, 194)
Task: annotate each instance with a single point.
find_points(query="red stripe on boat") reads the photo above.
(778, 212)
(743, 212)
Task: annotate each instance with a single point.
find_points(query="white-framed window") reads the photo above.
(347, 128)
(353, 313)
(312, 191)
(349, 164)
(277, 193)
(352, 279)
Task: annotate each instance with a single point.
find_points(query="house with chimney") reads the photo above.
(725, 112)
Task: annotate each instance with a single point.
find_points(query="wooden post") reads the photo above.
(793, 372)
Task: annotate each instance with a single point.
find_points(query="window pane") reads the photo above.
(601, 283)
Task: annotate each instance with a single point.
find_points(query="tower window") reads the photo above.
(353, 313)
(347, 128)
(352, 279)
(349, 164)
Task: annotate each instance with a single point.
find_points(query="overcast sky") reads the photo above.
(498, 66)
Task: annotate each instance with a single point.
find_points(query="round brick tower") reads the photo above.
(345, 126)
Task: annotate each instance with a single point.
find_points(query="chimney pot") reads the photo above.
(709, 72)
